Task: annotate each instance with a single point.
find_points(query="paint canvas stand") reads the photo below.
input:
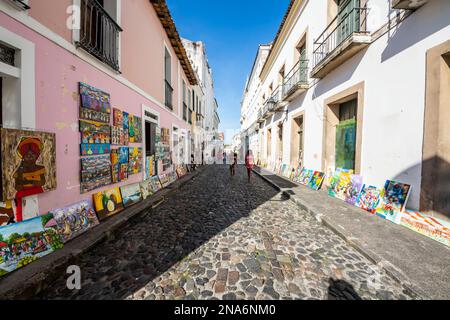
(368, 198)
(25, 242)
(108, 203)
(74, 220)
(393, 200)
(131, 194)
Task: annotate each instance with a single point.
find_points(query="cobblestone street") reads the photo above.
(220, 237)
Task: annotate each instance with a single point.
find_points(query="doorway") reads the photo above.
(297, 139)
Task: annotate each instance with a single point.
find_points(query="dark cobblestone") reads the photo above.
(222, 238)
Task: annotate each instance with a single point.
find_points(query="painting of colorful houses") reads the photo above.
(25, 242)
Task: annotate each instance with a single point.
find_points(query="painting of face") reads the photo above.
(108, 203)
(28, 163)
(74, 220)
(25, 242)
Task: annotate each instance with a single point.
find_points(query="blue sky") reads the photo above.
(232, 31)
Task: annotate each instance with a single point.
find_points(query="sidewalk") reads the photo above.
(420, 263)
(26, 282)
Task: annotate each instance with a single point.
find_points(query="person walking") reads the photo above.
(224, 158)
(193, 165)
(249, 164)
(233, 166)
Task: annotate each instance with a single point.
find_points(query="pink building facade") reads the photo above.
(40, 88)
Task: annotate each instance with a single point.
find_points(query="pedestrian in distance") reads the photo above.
(193, 165)
(233, 165)
(249, 164)
(224, 158)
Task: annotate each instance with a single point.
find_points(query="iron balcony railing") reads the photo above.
(168, 94)
(339, 30)
(99, 33)
(298, 76)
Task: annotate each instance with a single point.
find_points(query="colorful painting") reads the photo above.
(108, 203)
(428, 226)
(28, 164)
(173, 176)
(94, 99)
(115, 166)
(146, 189)
(95, 173)
(343, 184)
(126, 122)
(306, 176)
(368, 198)
(164, 179)
(316, 180)
(25, 242)
(155, 184)
(149, 167)
(94, 149)
(123, 172)
(135, 129)
(74, 220)
(181, 171)
(88, 114)
(135, 160)
(131, 194)
(94, 132)
(117, 118)
(7, 213)
(353, 190)
(393, 200)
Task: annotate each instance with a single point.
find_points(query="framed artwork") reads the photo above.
(393, 200)
(126, 122)
(94, 99)
(156, 184)
(123, 155)
(73, 220)
(87, 149)
(28, 163)
(135, 160)
(181, 171)
(368, 198)
(123, 172)
(135, 129)
(306, 176)
(95, 172)
(115, 166)
(117, 136)
(149, 167)
(108, 203)
(91, 115)
(131, 194)
(118, 118)
(94, 132)
(25, 242)
(342, 185)
(164, 179)
(353, 190)
(316, 180)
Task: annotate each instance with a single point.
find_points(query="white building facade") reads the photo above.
(206, 117)
(362, 85)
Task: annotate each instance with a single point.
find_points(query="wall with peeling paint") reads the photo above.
(57, 103)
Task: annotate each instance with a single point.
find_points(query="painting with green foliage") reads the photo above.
(346, 144)
(24, 242)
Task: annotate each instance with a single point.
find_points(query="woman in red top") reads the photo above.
(249, 163)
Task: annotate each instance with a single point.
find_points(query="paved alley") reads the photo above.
(222, 238)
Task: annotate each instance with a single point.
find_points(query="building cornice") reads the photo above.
(163, 13)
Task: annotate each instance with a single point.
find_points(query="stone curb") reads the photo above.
(27, 282)
(390, 269)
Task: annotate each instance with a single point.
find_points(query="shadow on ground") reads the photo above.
(148, 247)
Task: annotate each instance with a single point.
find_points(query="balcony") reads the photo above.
(344, 37)
(296, 81)
(99, 33)
(168, 94)
(260, 116)
(408, 4)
